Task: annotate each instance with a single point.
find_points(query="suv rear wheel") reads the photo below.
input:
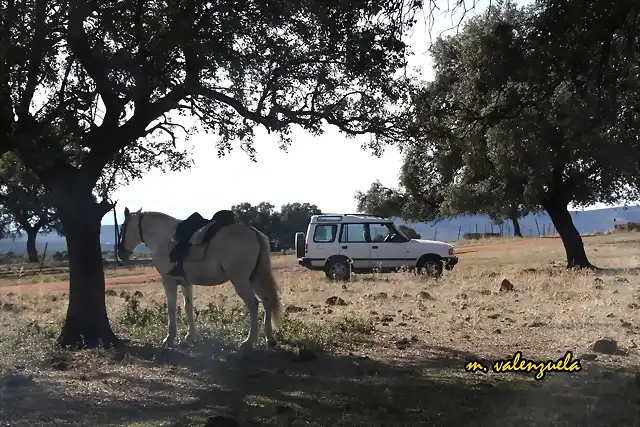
(338, 269)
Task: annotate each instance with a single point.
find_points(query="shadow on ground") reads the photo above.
(269, 388)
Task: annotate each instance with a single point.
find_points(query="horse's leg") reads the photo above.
(244, 291)
(267, 304)
(171, 292)
(187, 294)
(268, 328)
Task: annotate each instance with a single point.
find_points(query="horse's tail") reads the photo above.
(267, 282)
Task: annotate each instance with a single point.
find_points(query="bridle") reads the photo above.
(123, 233)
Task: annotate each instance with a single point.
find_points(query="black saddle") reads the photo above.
(187, 228)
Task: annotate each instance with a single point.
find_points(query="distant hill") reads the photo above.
(597, 220)
(592, 221)
(59, 243)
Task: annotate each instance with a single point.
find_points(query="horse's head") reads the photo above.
(130, 236)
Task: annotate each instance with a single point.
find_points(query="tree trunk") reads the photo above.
(513, 216)
(571, 239)
(86, 324)
(32, 234)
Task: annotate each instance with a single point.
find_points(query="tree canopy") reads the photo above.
(381, 201)
(516, 113)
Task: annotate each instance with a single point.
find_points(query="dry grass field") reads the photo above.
(382, 350)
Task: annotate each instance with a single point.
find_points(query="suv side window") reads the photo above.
(353, 233)
(325, 233)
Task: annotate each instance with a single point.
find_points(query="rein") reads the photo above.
(140, 227)
(121, 247)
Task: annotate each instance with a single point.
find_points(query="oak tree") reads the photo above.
(24, 203)
(515, 108)
(92, 87)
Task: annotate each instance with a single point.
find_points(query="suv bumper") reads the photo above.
(305, 262)
(450, 262)
(309, 263)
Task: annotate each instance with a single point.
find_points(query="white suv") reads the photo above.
(339, 244)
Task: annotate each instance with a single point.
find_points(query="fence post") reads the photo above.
(537, 226)
(459, 230)
(115, 232)
(44, 255)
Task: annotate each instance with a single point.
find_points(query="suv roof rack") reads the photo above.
(364, 215)
(341, 216)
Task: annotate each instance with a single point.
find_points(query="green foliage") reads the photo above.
(24, 202)
(380, 200)
(505, 123)
(230, 66)
(325, 335)
(294, 217)
(409, 232)
(6, 225)
(281, 226)
(227, 320)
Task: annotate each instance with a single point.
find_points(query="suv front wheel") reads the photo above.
(430, 266)
(338, 269)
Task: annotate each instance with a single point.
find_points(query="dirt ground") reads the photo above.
(406, 369)
(136, 276)
(144, 276)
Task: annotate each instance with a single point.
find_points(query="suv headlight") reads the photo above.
(451, 251)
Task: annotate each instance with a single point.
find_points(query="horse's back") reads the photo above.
(237, 232)
(236, 249)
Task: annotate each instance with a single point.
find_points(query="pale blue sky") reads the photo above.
(325, 170)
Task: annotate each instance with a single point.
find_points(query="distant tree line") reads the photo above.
(281, 226)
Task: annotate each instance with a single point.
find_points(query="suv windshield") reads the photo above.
(395, 229)
(386, 232)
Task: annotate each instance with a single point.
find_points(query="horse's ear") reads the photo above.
(139, 210)
(126, 212)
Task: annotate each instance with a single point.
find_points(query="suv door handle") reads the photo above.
(374, 247)
(345, 247)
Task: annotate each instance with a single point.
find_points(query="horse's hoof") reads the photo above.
(190, 338)
(272, 343)
(168, 341)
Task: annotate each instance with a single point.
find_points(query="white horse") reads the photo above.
(236, 253)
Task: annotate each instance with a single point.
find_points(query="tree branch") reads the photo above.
(270, 122)
(6, 104)
(35, 57)
(93, 63)
(118, 138)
